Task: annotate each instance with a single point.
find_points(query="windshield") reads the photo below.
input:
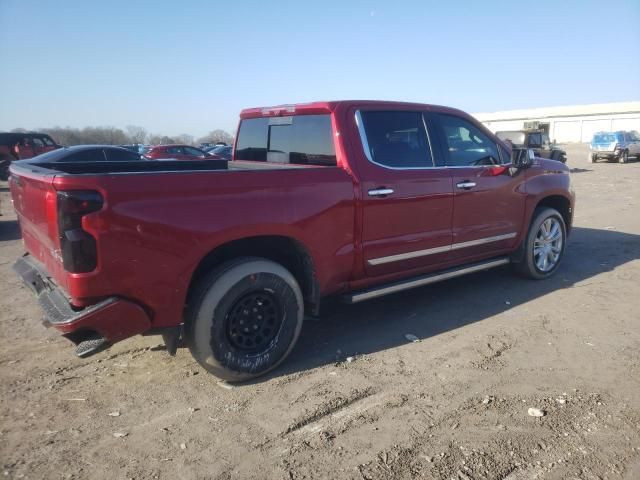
(606, 138)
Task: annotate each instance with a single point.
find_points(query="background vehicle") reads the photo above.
(136, 147)
(230, 255)
(537, 140)
(222, 151)
(18, 146)
(618, 146)
(178, 152)
(91, 153)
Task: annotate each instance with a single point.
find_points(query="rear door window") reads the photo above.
(115, 155)
(301, 139)
(93, 155)
(48, 141)
(193, 151)
(37, 142)
(395, 139)
(173, 150)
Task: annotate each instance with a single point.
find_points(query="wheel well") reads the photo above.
(561, 204)
(285, 251)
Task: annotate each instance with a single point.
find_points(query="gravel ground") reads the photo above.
(453, 405)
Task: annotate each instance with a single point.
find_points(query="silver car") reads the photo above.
(618, 146)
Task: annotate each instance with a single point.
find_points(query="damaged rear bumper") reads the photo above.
(92, 328)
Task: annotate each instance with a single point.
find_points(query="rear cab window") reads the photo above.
(297, 139)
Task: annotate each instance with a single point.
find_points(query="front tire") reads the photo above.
(544, 245)
(244, 318)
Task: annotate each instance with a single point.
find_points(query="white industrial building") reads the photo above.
(576, 123)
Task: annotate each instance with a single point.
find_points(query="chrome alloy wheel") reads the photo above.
(547, 245)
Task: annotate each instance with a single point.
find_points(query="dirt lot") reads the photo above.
(453, 405)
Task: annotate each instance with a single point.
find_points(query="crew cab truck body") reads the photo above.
(350, 198)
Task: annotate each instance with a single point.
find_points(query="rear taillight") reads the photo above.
(79, 253)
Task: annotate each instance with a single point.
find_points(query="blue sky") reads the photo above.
(191, 66)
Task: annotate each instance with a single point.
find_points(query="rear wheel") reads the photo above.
(544, 244)
(593, 157)
(624, 157)
(5, 163)
(244, 318)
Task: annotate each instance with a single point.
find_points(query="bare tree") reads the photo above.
(115, 136)
(161, 140)
(216, 136)
(136, 134)
(87, 136)
(184, 138)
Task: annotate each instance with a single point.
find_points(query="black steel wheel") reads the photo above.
(244, 318)
(253, 321)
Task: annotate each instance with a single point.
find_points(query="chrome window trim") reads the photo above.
(424, 124)
(445, 248)
(367, 150)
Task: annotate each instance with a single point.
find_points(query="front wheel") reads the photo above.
(544, 245)
(244, 318)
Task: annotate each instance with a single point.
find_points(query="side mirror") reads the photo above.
(522, 158)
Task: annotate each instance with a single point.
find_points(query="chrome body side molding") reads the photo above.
(443, 249)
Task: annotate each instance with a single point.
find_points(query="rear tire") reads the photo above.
(544, 245)
(624, 157)
(5, 163)
(244, 318)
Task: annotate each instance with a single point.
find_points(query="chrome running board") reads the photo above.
(414, 282)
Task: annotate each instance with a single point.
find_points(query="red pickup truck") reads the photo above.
(356, 199)
(19, 146)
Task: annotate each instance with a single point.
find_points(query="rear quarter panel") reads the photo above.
(154, 229)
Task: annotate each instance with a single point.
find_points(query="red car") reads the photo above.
(179, 152)
(355, 199)
(19, 146)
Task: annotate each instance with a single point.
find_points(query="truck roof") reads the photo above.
(330, 106)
